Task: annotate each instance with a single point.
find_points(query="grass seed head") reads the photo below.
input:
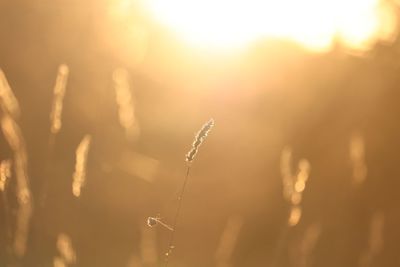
(200, 137)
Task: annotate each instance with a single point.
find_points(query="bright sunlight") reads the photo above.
(314, 24)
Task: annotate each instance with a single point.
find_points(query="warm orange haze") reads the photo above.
(151, 133)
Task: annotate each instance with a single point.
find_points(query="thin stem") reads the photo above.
(178, 209)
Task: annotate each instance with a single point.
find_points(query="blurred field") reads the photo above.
(141, 94)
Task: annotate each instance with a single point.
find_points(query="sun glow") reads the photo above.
(312, 23)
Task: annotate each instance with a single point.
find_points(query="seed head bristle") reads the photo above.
(5, 173)
(13, 135)
(79, 176)
(59, 92)
(200, 137)
(8, 101)
(125, 101)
